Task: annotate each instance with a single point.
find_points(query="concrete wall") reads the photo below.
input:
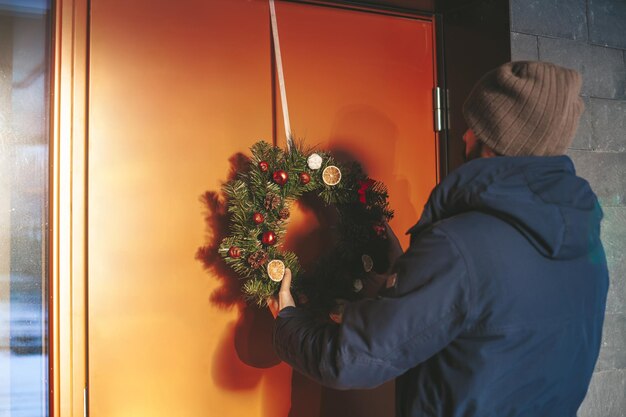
(590, 36)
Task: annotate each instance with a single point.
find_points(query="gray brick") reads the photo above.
(560, 18)
(606, 396)
(614, 241)
(582, 139)
(606, 172)
(607, 23)
(613, 351)
(602, 126)
(608, 124)
(602, 69)
(524, 47)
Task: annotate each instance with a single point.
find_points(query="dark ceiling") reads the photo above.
(413, 5)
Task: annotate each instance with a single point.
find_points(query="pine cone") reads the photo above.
(271, 201)
(258, 259)
(284, 213)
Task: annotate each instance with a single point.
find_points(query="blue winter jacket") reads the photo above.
(498, 306)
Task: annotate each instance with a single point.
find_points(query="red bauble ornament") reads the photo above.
(280, 177)
(234, 252)
(258, 218)
(264, 166)
(363, 187)
(380, 230)
(268, 238)
(305, 178)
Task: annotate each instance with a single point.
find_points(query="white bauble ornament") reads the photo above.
(368, 262)
(314, 161)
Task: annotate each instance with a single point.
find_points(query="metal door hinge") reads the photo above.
(85, 407)
(440, 109)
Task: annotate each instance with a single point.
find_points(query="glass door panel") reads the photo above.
(24, 138)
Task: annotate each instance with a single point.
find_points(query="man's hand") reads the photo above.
(285, 299)
(373, 282)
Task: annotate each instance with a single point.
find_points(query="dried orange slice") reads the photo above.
(368, 262)
(276, 270)
(331, 175)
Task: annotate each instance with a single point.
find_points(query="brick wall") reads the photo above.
(590, 36)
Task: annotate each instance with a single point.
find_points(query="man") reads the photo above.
(496, 308)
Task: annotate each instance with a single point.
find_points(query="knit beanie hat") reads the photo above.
(526, 108)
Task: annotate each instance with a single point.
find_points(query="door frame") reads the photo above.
(68, 209)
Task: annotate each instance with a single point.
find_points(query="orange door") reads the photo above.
(177, 90)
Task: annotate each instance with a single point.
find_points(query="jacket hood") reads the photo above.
(540, 196)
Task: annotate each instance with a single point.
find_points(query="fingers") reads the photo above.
(285, 299)
(272, 303)
(285, 286)
(374, 276)
(373, 282)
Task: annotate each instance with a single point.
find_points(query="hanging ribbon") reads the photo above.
(281, 76)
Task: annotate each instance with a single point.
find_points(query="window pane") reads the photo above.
(24, 108)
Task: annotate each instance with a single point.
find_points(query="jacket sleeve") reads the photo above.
(382, 338)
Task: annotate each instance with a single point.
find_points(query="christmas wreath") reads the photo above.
(258, 202)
